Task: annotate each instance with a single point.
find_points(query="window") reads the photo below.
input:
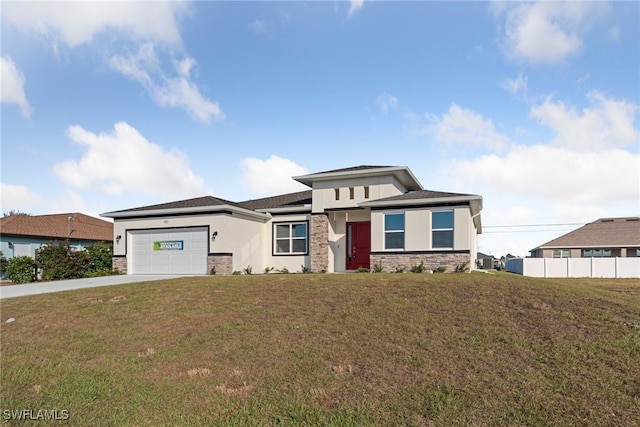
(562, 253)
(351, 193)
(442, 229)
(394, 231)
(337, 190)
(596, 253)
(366, 191)
(290, 238)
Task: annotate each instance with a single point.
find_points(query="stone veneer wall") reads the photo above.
(431, 260)
(119, 263)
(222, 262)
(319, 244)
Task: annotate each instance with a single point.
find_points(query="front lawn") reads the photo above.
(328, 349)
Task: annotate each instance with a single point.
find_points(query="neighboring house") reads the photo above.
(351, 218)
(22, 234)
(604, 238)
(487, 262)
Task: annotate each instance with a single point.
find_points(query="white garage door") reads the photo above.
(175, 251)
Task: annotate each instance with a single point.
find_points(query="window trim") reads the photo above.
(451, 229)
(403, 231)
(564, 253)
(597, 253)
(290, 238)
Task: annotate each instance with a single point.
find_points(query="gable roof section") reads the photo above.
(401, 173)
(604, 232)
(56, 226)
(300, 199)
(205, 204)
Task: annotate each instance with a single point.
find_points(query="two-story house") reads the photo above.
(351, 218)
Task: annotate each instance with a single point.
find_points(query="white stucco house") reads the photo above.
(351, 218)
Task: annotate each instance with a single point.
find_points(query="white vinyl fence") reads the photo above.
(575, 267)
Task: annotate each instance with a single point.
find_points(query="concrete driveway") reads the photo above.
(12, 291)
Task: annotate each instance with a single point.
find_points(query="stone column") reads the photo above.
(319, 243)
(119, 263)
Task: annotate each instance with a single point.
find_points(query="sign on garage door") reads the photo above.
(175, 251)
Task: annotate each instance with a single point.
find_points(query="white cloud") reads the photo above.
(605, 124)
(546, 32)
(516, 86)
(77, 23)
(17, 197)
(271, 176)
(466, 127)
(12, 86)
(168, 91)
(125, 161)
(355, 6)
(260, 27)
(385, 101)
(554, 173)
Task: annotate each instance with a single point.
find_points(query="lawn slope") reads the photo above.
(332, 349)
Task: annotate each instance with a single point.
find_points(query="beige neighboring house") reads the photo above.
(604, 238)
(351, 218)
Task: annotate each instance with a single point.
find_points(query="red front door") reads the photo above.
(358, 245)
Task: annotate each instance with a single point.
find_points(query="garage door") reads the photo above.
(175, 251)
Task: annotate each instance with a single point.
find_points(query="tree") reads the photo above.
(14, 212)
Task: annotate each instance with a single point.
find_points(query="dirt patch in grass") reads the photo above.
(366, 349)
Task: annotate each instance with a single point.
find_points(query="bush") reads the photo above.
(378, 268)
(58, 261)
(462, 268)
(304, 269)
(3, 265)
(420, 268)
(100, 256)
(362, 270)
(440, 269)
(21, 269)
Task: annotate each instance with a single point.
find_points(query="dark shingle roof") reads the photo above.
(56, 226)
(613, 232)
(353, 168)
(189, 203)
(282, 201)
(423, 194)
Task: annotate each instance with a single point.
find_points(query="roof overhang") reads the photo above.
(284, 210)
(401, 173)
(184, 211)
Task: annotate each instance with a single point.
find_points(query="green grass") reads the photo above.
(337, 350)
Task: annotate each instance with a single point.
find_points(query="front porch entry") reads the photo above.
(358, 245)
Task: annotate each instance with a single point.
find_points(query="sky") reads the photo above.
(532, 105)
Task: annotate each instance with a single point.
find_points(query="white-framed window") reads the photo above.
(394, 230)
(442, 229)
(290, 238)
(562, 253)
(596, 253)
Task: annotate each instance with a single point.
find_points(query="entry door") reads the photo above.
(358, 245)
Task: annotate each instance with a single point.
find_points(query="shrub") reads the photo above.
(462, 268)
(283, 270)
(362, 270)
(247, 270)
(440, 269)
(237, 273)
(378, 268)
(399, 269)
(213, 271)
(304, 269)
(100, 256)
(21, 269)
(268, 270)
(3, 265)
(420, 268)
(59, 261)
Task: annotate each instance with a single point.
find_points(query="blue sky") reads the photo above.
(534, 106)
